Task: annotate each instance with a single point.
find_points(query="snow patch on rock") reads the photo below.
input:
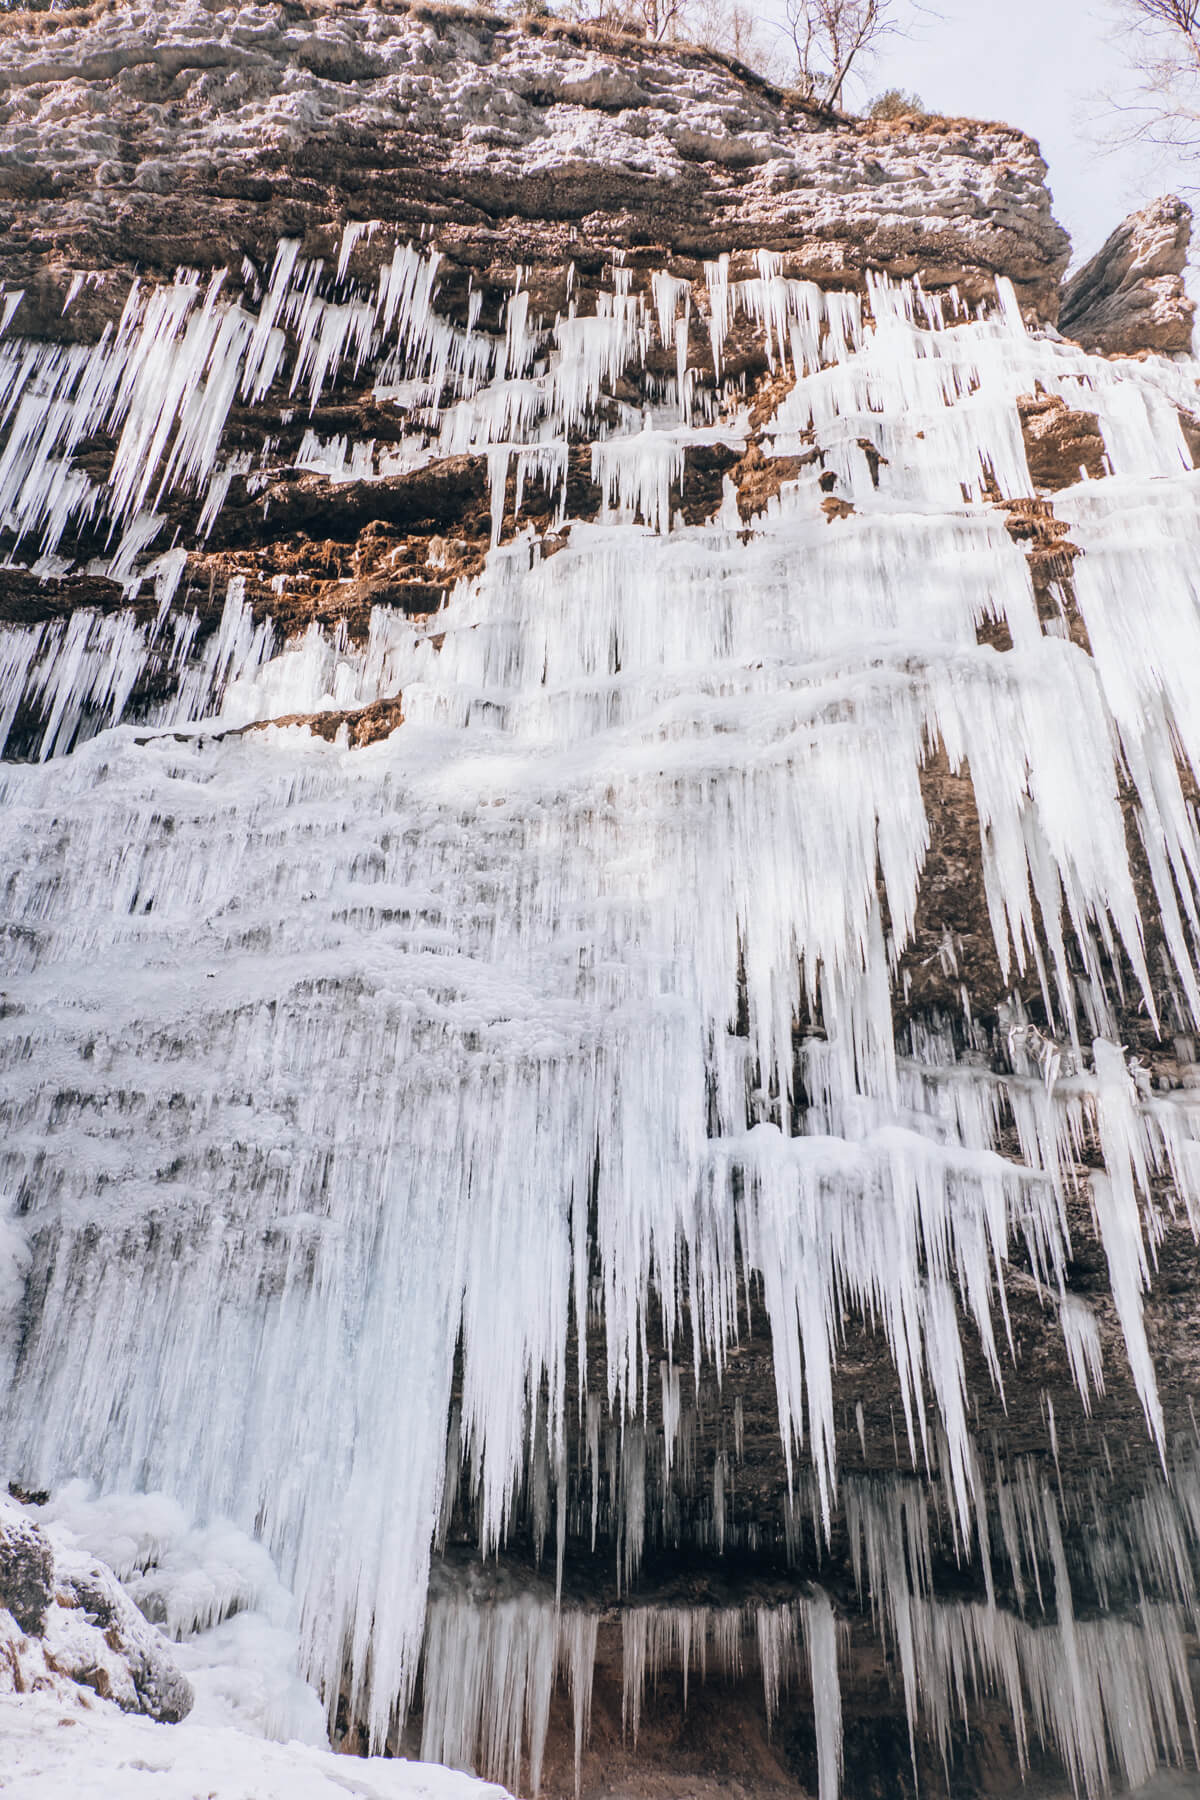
(65, 1623)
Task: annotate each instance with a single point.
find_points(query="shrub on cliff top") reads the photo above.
(894, 103)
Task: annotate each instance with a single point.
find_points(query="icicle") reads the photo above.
(637, 474)
(497, 463)
(353, 233)
(578, 1633)
(716, 276)
(776, 1630)
(821, 1631)
(488, 1676)
(1081, 1334)
(1114, 1197)
(384, 1071)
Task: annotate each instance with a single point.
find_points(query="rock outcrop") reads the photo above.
(145, 136)
(1060, 444)
(1130, 297)
(66, 1624)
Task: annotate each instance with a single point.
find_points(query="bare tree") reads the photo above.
(653, 19)
(829, 36)
(1182, 16)
(657, 19)
(738, 29)
(1162, 105)
(824, 37)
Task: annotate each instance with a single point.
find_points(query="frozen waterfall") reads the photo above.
(401, 1144)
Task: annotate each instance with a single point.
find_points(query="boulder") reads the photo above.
(26, 1570)
(66, 1623)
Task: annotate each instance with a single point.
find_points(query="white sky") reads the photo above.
(1039, 64)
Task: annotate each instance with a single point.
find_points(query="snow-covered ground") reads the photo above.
(255, 1729)
(52, 1750)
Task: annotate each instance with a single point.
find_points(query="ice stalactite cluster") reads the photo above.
(490, 1669)
(80, 671)
(1107, 1694)
(1104, 1693)
(489, 1676)
(501, 1071)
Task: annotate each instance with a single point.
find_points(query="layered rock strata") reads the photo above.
(149, 137)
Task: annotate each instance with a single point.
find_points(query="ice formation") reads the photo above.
(350, 1096)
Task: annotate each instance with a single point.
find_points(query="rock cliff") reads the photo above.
(150, 137)
(604, 918)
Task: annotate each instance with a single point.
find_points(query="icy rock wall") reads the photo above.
(493, 1073)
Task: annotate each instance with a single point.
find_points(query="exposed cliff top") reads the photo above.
(188, 133)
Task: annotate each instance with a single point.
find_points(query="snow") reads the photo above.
(216, 1590)
(95, 1753)
(213, 1590)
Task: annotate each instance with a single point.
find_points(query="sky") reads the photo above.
(1039, 64)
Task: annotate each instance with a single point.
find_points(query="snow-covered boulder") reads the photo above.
(66, 1622)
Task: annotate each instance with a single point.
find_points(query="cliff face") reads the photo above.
(136, 143)
(200, 135)
(604, 931)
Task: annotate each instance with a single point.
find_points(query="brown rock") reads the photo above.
(364, 724)
(1051, 556)
(1059, 442)
(1190, 427)
(759, 478)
